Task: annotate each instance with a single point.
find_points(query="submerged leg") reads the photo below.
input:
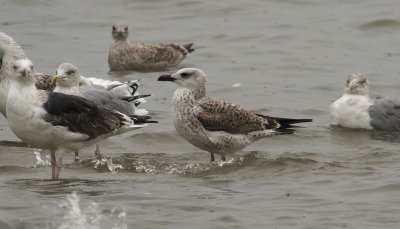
(223, 157)
(53, 163)
(76, 156)
(58, 167)
(97, 151)
(212, 158)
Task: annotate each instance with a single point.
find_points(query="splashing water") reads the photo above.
(107, 161)
(90, 217)
(39, 160)
(183, 169)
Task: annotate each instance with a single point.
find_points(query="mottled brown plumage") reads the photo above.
(43, 82)
(214, 125)
(142, 56)
(220, 115)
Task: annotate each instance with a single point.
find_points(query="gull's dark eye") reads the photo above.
(184, 74)
(15, 67)
(70, 72)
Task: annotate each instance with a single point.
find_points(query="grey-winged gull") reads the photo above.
(143, 56)
(10, 51)
(57, 121)
(217, 126)
(67, 80)
(355, 109)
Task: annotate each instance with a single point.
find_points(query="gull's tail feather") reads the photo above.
(188, 47)
(142, 119)
(287, 122)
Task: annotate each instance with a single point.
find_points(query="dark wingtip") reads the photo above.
(166, 78)
(188, 47)
(142, 119)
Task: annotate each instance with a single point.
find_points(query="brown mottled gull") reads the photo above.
(216, 126)
(142, 56)
(57, 121)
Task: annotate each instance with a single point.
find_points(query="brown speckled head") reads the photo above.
(120, 31)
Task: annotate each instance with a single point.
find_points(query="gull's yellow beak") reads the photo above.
(55, 78)
(26, 72)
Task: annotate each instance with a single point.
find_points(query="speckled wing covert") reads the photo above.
(169, 54)
(43, 82)
(217, 115)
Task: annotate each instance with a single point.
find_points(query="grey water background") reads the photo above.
(291, 59)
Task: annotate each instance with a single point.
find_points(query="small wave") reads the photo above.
(381, 24)
(40, 160)
(162, 164)
(108, 163)
(90, 217)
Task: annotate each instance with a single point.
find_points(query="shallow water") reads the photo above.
(291, 59)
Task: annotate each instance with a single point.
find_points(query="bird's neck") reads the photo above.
(4, 88)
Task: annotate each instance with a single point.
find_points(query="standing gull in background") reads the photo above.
(216, 126)
(356, 110)
(56, 121)
(10, 51)
(125, 56)
(67, 82)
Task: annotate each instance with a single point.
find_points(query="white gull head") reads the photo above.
(191, 78)
(357, 84)
(67, 75)
(24, 72)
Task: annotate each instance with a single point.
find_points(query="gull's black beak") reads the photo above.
(166, 78)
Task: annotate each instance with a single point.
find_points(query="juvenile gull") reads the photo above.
(355, 109)
(125, 56)
(56, 121)
(217, 126)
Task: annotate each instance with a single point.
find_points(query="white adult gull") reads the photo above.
(56, 121)
(217, 126)
(143, 56)
(67, 81)
(11, 51)
(355, 109)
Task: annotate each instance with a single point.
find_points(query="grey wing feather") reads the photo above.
(107, 99)
(219, 115)
(385, 114)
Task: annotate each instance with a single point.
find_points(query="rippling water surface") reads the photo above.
(289, 57)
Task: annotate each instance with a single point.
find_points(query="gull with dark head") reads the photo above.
(217, 126)
(56, 121)
(355, 109)
(124, 56)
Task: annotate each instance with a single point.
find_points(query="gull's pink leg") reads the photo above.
(53, 163)
(58, 167)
